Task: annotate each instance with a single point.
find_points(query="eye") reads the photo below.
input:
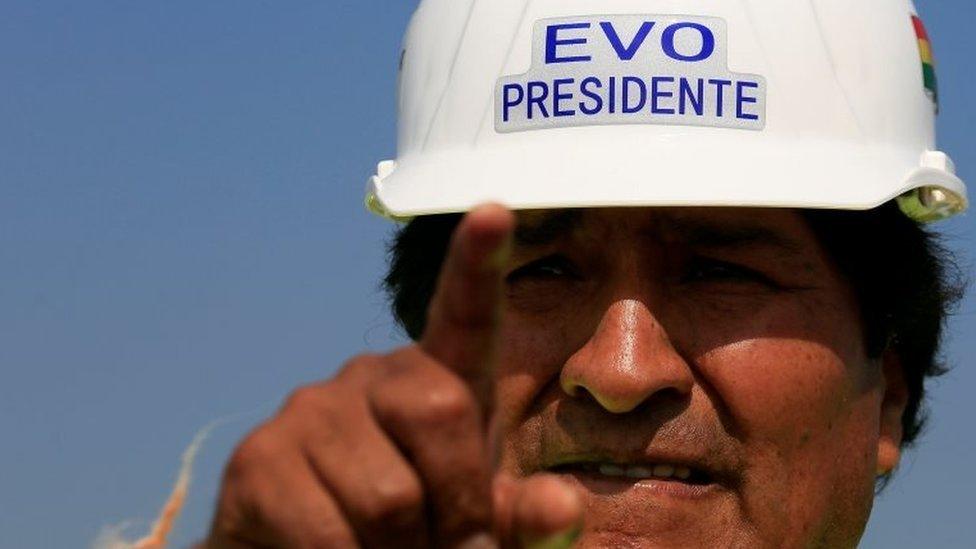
(704, 270)
(546, 268)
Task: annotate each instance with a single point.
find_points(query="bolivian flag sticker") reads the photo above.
(928, 60)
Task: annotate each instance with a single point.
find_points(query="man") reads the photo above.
(669, 343)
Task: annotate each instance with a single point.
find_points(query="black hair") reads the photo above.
(907, 286)
(903, 277)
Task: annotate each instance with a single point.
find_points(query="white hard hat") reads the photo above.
(586, 103)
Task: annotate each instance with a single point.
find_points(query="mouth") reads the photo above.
(660, 471)
(670, 479)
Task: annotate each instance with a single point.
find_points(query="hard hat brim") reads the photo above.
(625, 168)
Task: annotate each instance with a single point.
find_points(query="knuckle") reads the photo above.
(361, 367)
(251, 455)
(398, 501)
(446, 403)
(306, 397)
(422, 394)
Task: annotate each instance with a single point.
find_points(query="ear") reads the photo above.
(893, 405)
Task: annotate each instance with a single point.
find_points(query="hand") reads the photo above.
(394, 451)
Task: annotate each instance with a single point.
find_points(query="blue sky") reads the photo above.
(182, 237)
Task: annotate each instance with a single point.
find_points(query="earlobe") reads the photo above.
(893, 404)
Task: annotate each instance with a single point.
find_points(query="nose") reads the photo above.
(627, 360)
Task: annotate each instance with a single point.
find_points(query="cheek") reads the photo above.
(810, 426)
(777, 388)
(789, 370)
(529, 362)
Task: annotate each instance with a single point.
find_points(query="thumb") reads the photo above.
(540, 512)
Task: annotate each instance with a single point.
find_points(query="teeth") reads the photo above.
(664, 471)
(641, 472)
(611, 470)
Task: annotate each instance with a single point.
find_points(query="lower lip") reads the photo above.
(608, 486)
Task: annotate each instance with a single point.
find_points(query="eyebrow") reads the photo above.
(550, 227)
(702, 234)
(557, 224)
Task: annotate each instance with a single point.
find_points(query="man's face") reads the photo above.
(698, 374)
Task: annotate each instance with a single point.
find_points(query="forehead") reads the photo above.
(785, 229)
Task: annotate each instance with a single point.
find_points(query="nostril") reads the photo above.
(618, 405)
(615, 404)
(569, 385)
(628, 360)
(621, 394)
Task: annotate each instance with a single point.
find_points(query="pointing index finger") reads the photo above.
(462, 320)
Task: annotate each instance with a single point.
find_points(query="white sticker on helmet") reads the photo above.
(630, 69)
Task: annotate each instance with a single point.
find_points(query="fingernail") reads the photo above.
(561, 540)
(479, 541)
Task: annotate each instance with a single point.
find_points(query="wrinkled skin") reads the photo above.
(718, 342)
(720, 339)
